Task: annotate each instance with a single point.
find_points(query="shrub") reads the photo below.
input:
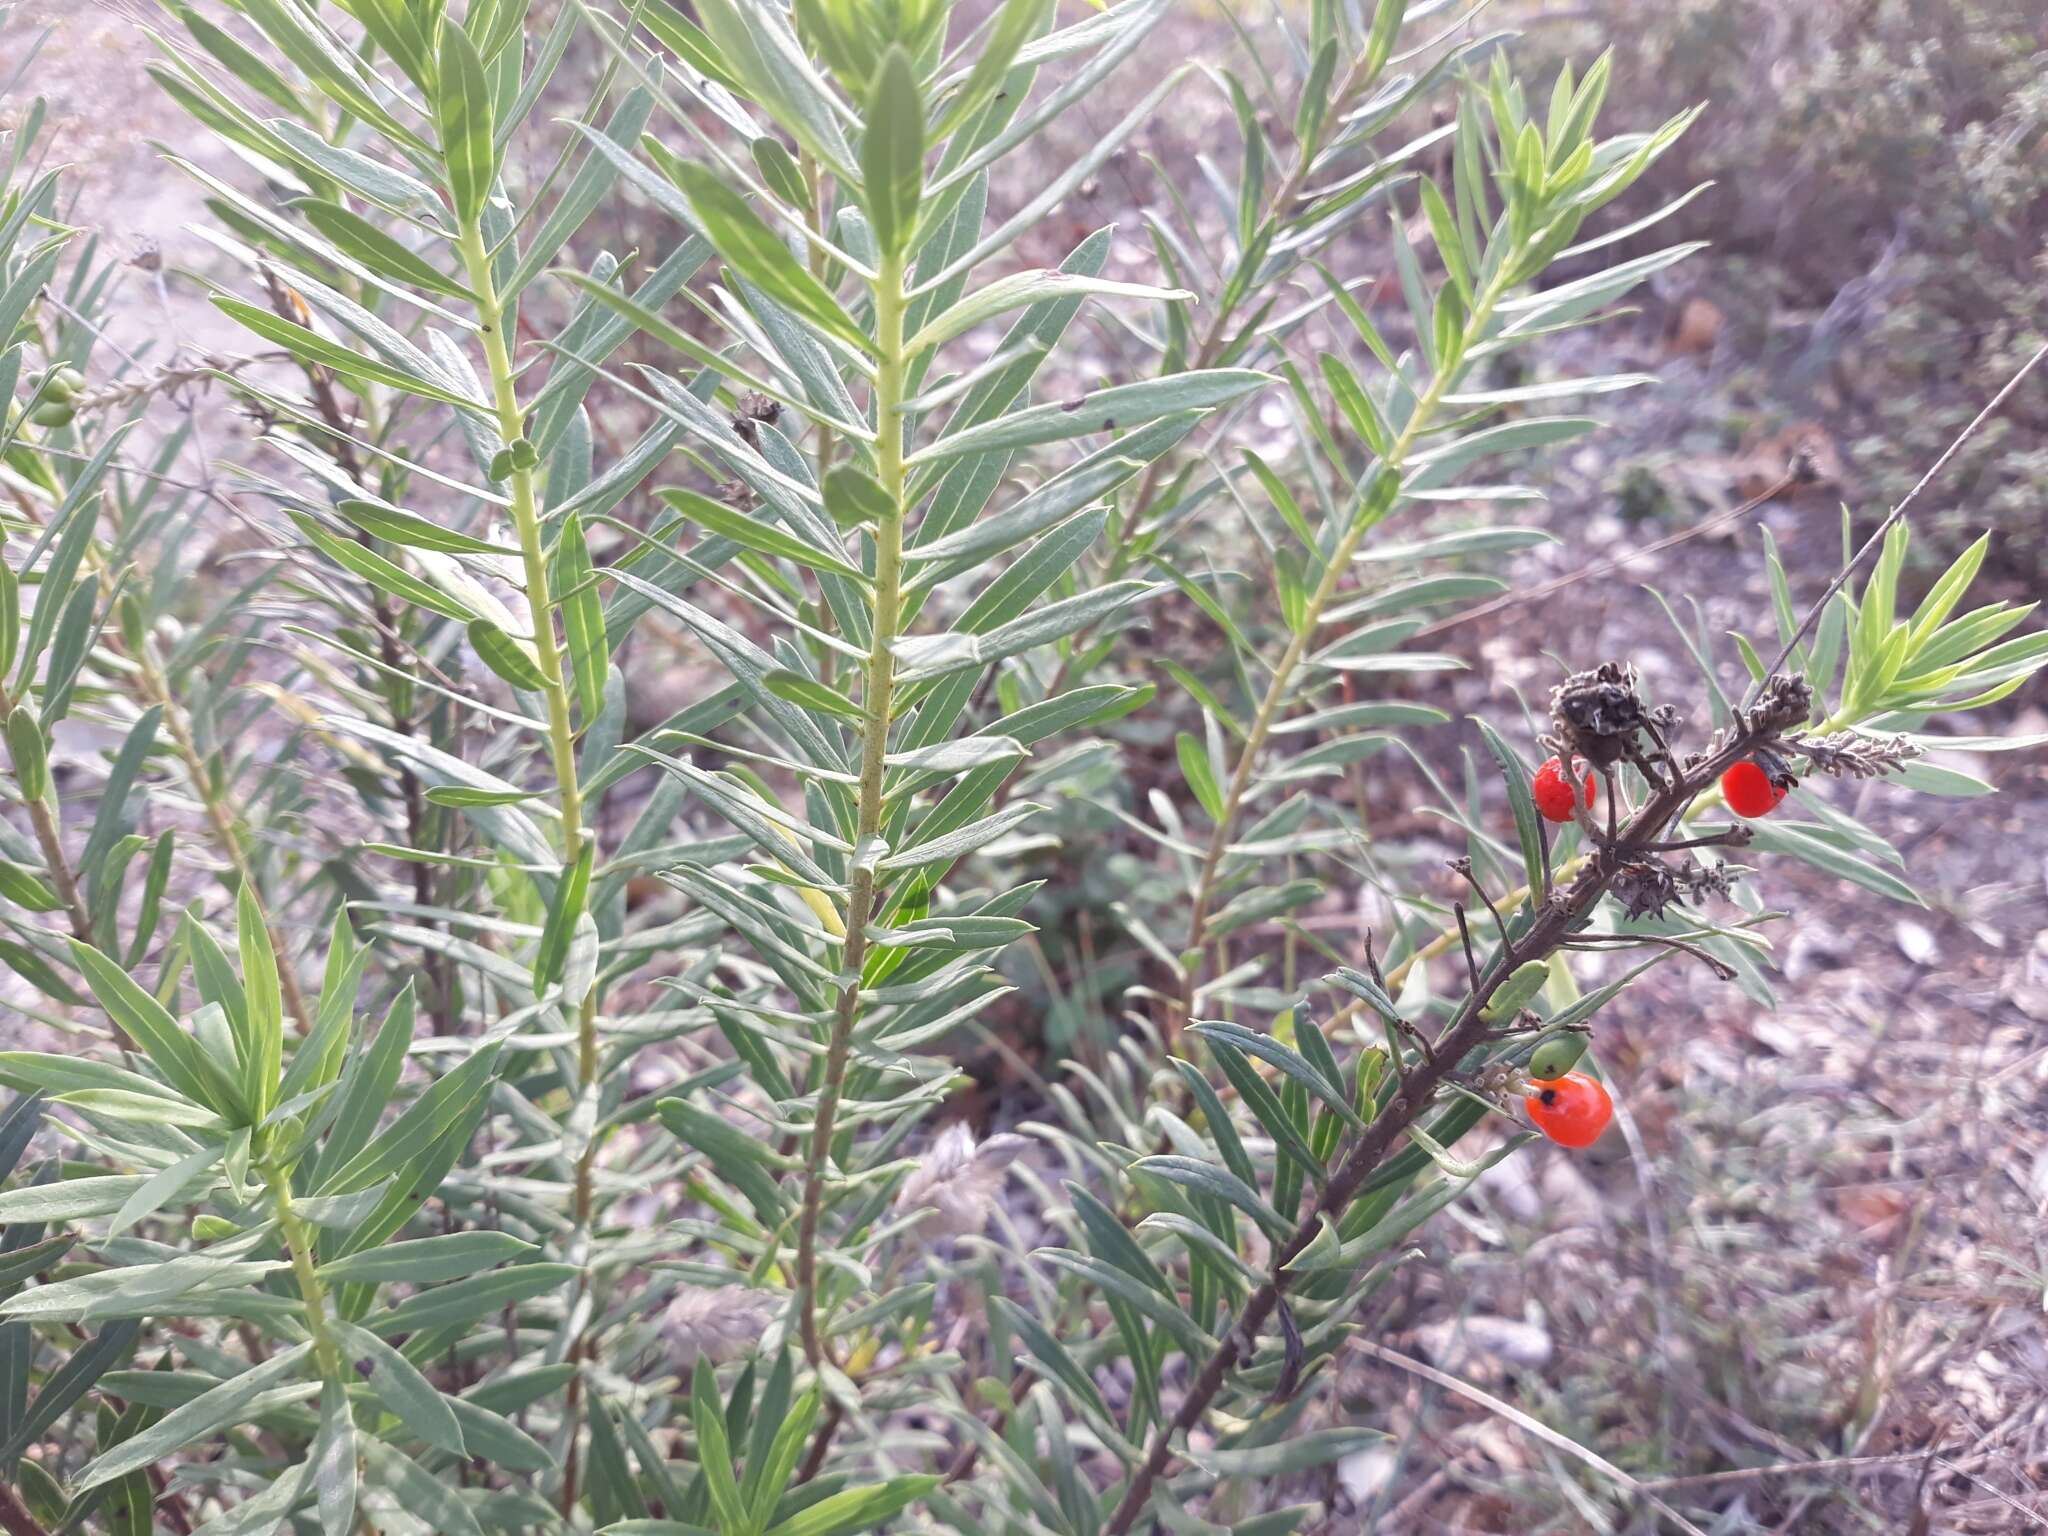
(1880, 168)
(444, 1171)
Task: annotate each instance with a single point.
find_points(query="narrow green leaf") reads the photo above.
(892, 151)
(147, 1022)
(582, 617)
(750, 532)
(505, 656)
(401, 527)
(263, 1064)
(758, 254)
(809, 693)
(1104, 410)
(358, 237)
(380, 572)
(1520, 800)
(400, 1387)
(571, 894)
(853, 1510)
(1200, 774)
(311, 347)
(427, 1260)
(461, 1304)
(217, 1409)
(462, 114)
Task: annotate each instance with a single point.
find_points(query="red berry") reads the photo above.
(1750, 791)
(1553, 791)
(1571, 1110)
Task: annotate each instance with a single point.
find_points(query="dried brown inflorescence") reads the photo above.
(1598, 713)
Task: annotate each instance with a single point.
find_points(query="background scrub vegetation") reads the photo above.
(712, 602)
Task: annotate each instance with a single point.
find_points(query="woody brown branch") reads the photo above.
(1552, 926)
(15, 1518)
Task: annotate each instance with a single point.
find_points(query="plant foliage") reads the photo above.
(479, 1099)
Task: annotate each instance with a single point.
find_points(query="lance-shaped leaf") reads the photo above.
(462, 114)
(309, 346)
(186, 1066)
(892, 151)
(1102, 410)
(582, 616)
(751, 532)
(755, 251)
(220, 1408)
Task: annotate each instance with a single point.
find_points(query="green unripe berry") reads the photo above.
(1557, 1055)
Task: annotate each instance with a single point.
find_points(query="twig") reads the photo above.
(1780, 1469)
(1898, 513)
(821, 1442)
(15, 1519)
(1536, 1427)
(970, 1453)
(1465, 935)
(1553, 923)
(1514, 599)
(340, 445)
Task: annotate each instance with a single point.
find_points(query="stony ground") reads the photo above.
(1806, 1287)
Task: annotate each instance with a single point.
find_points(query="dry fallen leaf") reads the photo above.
(1875, 1210)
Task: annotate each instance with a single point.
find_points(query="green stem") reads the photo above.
(547, 651)
(1281, 685)
(225, 818)
(476, 263)
(1124, 537)
(877, 694)
(312, 1295)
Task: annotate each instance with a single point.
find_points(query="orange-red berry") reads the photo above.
(1571, 1110)
(1750, 791)
(1552, 791)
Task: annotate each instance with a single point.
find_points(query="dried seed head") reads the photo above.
(1645, 887)
(1599, 712)
(1847, 755)
(958, 1180)
(754, 408)
(1783, 703)
(718, 1324)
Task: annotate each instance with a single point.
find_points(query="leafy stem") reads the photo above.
(476, 263)
(511, 423)
(1124, 541)
(1279, 688)
(878, 689)
(1470, 1028)
(312, 1295)
(222, 817)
